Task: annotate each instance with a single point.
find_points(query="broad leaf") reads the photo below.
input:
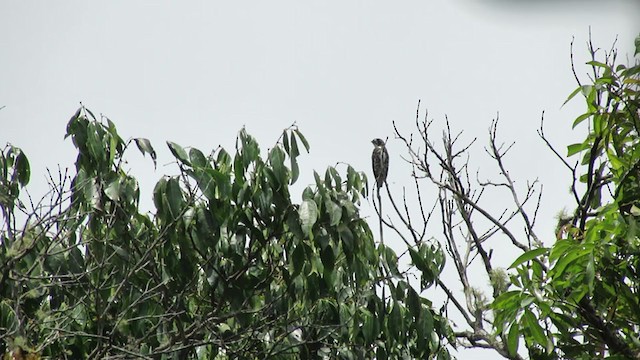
(529, 255)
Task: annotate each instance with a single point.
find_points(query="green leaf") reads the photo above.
(303, 139)
(568, 258)
(295, 152)
(587, 90)
(335, 176)
(71, 124)
(580, 119)
(298, 259)
(334, 210)
(328, 258)
(505, 299)
(417, 260)
(573, 93)
(615, 161)
(575, 148)
(631, 298)
(174, 197)
(294, 225)
(90, 113)
(308, 213)
(426, 322)
(293, 155)
(205, 182)
(223, 183)
(295, 171)
(124, 254)
(113, 141)
(526, 301)
(23, 171)
(598, 64)
(529, 255)
(178, 152)
(590, 274)
(531, 323)
(346, 236)
(513, 339)
(197, 158)
(113, 190)
(368, 326)
(92, 193)
(250, 150)
(413, 303)
(158, 195)
(285, 141)
(94, 141)
(381, 353)
(560, 248)
(276, 159)
(390, 258)
(308, 192)
(394, 322)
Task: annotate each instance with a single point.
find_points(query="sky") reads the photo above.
(196, 72)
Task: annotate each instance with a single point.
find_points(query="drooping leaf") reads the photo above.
(395, 321)
(23, 171)
(413, 303)
(293, 156)
(532, 324)
(334, 210)
(178, 152)
(368, 326)
(298, 259)
(276, 160)
(346, 235)
(303, 139)
(94, 141)
(513, 339)
(308, 213)
(144, 145)
(158, 195)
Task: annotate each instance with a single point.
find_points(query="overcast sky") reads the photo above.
(195, 72)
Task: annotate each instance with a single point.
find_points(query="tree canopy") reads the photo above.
(580, 297)
(228, 266)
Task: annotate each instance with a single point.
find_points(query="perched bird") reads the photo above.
(380, 162)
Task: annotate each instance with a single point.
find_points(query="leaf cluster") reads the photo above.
(579, 298)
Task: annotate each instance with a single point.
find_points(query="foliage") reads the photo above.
(227, 267)
(580, 298)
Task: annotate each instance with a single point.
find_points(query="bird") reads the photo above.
(380, 162)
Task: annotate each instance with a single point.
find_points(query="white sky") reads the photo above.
(195, 72)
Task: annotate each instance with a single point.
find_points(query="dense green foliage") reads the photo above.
(227, 267)
(580, 298)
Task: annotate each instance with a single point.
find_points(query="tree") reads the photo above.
(579, 298)
(584, 290)
(227, 267)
